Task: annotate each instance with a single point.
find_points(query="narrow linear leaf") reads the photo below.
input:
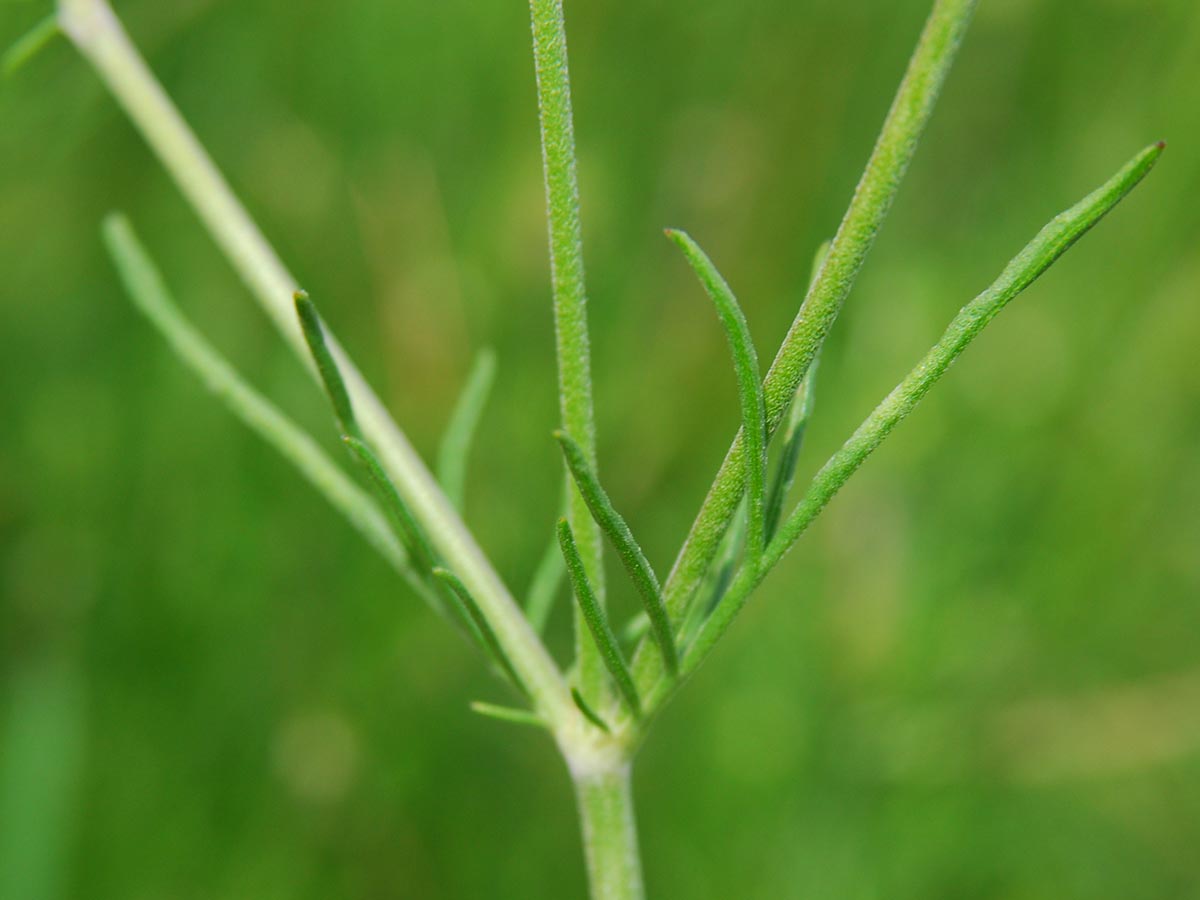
(145, 285)
(455, 449)
(1049, 244)
(1037, 256)
(797, 424)
(717, 585)
(327, 367)
(635, 629)
(545, 587)
(749, 378)
(793, 443)
(508, 714)
(588, 713)
(30, 45)
(481, 627)
(597, 621)
(628, 550)
(399, 515)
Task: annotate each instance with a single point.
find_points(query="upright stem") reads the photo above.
(95, 30)
(570, 301)
(610, 845)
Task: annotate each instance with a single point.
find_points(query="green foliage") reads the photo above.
(327, 368)
(630, 553)
(597, 622)
(29, 46)
(479, 625)
(460, 431)
(745, 362)
(742, 530)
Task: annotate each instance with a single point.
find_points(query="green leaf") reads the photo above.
(588, 713)
(797, 425)
(455, 449)
(745, 361)
(145, 285)
(481, 628)
(508, 714)
(545, 587)
(27, 47)
(597, 621)
(628, 550)
(405, 525)
(327, 368)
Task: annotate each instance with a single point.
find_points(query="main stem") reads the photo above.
(605, 801)
(560, 170)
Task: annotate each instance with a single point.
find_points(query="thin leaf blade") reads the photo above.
(327, 367)
(455, 448)
(597, 621)
(628, 550)
(749, 378)
(482, 628)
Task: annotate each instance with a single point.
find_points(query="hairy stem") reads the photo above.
(605, 799)
(94, 29)
(894, 150)
(570, 301)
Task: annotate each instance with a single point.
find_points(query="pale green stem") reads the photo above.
(94, 29)
(605, 799)
(894, 150)
(570, 302)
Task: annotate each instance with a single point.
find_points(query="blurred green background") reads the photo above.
(977, 677)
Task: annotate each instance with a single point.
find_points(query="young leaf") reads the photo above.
(28, 46)
(544, 589)
(745, 360)
(635, 629)
(403, 522)
(480, 626)
(145, 285)
(508, 714)
(456, 443)
(793, 442)
(331, 376)
(597, 621)
(714, 588)
(588, 713)
(630, 553)
(797, 425)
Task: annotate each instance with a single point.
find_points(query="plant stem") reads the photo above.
(605, 799)
(570, 302)
(894, 150)
(95, 30)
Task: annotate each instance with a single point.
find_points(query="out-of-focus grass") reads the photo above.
(997, 623)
